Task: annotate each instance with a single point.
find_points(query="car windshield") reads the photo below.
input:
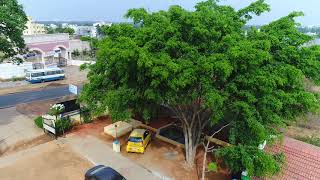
(135, 139)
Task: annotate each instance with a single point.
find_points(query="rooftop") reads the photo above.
(302, 160)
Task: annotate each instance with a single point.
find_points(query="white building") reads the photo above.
(64, 25)
(53, 26)
(34, 28)
(84, 31)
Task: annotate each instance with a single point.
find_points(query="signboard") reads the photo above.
(73, 89)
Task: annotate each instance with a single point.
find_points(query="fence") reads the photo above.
(9, 70)
(79, 63)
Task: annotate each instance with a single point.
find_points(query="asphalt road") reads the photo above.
(11, 100)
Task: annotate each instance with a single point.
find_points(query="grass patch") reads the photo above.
(39, 122)
(310, 140)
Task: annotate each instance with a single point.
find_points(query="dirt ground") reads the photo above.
(27, 144)
(305, 127)
(38, 108)
(52, 163)
(160, 157)
(73, 76)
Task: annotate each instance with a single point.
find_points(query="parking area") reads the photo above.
(164, 160)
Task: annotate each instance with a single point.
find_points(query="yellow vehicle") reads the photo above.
(138, 140)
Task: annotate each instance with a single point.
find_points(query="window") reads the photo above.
(50, 73)
(145, 134)
(135, 139)
(37, 74)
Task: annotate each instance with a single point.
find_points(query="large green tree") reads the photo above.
(12, 24)
(205, 67)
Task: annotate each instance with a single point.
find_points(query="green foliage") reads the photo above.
(38, 122)
(85, 52)
(93, 45)
(86, 115)
(204, 63)
(13, 20)
(251, 159)
(76, 53)
(85, 38)
(63, 125)
(50, 30)
(68, 30)
(310, 140)
(213, 166)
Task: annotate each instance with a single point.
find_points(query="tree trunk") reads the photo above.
(193, 120)
(190, 147)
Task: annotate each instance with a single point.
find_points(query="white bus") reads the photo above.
(43, 75)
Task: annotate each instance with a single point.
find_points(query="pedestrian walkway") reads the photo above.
(15, 128)
(97, 152)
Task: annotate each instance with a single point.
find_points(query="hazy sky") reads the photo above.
(108, 10)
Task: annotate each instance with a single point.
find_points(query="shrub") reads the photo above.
(251, 159)
(310, 140)
(39, 122)
(63, 125)
(86, 115)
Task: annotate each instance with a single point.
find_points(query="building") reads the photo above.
(47, 48)
(302, 160)
(34, 28)
(84, 31)
(78, 45)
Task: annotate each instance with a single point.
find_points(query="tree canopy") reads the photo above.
(68, 30)
(207, 68)
(12, 24)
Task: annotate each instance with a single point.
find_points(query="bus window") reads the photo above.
(37, 74)
(51, 73)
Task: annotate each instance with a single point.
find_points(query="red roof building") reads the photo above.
(302, 160)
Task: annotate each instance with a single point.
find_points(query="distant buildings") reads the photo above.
(34, 28)
(86, 30)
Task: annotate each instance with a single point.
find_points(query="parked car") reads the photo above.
(102, 172)
(138, 140)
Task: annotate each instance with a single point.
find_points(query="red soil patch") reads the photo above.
(95, 128)
(160, 157)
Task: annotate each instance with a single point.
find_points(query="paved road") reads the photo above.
(11, 100)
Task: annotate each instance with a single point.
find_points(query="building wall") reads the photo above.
(9, 70)
(49, 46)
(79, 45)
(43, 38)
(34, 28)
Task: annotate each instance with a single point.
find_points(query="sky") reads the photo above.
(113, 11)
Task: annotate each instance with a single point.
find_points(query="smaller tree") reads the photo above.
(68, 30)
(76, 53)
(12, 24)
